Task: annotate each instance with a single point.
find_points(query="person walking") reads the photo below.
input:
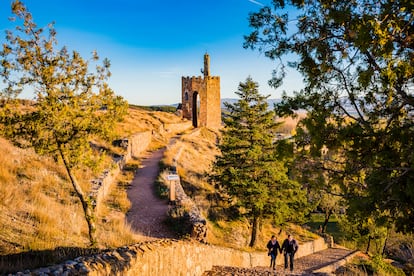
(289, 247)
(273, 247)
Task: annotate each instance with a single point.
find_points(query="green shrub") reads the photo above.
(376, 265)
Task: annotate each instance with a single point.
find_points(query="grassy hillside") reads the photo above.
(193, 155)
(39, 211)
(38, 208)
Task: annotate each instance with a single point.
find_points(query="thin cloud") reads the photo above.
(256, 2)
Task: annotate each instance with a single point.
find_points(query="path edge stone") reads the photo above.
(329, 269)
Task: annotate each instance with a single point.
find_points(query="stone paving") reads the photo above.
(303, 266)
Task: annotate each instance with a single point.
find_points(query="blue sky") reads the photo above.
(151, 44)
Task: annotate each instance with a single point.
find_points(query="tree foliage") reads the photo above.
(357, 60)
(71, 104)
(248, 168)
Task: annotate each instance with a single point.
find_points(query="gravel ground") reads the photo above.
(303, 266)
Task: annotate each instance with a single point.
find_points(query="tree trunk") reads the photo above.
(368, 245)
(325, 223)
(86, 204)
(255, 227)
(384, 248)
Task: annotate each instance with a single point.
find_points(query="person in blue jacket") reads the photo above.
(273, 248)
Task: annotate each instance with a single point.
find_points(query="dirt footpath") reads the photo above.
(148, 212)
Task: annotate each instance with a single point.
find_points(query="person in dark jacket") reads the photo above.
(273, 248)
(289, 247)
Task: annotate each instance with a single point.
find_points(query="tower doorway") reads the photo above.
(196, 108)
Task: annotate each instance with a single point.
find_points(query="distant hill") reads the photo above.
(345, 102)
(271, 102)
(167, 108)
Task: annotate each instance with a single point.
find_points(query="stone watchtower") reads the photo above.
(207, 111)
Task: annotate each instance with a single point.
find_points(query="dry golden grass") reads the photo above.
(39, 210)
(193, 154)
(113, 231)
(38, 207)
(33, 192)
(139, 120)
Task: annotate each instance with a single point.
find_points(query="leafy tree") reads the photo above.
(248, 168)
(357, 59)
(70, 103)
(320, 176)
(364, 229)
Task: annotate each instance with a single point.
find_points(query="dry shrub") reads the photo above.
(232, 234)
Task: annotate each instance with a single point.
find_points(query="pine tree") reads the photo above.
(248, 168)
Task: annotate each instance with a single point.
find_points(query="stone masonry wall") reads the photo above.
(162, 257)
(166, 257)
(187, 213)
(134, 145)
(208, 89)
(213, 116)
